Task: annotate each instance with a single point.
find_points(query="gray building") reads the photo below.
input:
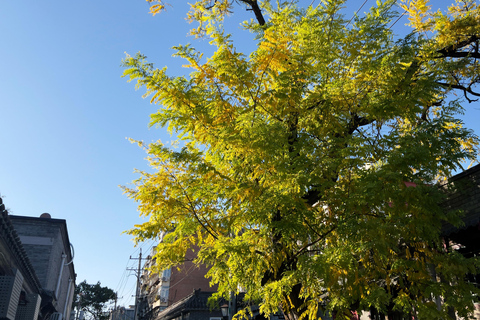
(48, 248)
(20, 289)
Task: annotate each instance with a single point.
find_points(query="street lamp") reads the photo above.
(224, 308)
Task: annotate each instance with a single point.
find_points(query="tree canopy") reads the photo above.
(308, 171)
(94, 299)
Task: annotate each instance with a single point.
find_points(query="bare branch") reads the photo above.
(452, 50)
(463, 88)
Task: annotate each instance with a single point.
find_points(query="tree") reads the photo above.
(94, 299)
(296, 163)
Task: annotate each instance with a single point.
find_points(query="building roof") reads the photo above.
(469, 172)
(10, 238)
(62, 224)
(196, 301)
(464, 196)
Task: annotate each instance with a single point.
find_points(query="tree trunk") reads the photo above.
(293, 305)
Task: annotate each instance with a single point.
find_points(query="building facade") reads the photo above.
(46, 243)
(20, 289)
(160, 291)
(192, 307)
(122, 313)
(465, 196)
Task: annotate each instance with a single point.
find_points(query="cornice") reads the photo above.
(11, 239)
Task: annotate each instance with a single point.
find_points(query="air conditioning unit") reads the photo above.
(30, 308)
(163, 299)
(56, 316)
(10, 288)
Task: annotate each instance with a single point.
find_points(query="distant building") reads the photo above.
(122, 313)
(48, 248)
(159, 291)
(192, 307)
(182, 293)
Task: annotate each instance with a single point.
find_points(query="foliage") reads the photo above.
(94, 299)
(297, 162)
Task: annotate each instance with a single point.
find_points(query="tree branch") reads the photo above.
(256, 9)
(451, 51)
(320, 238)
(357, 122)
(461, 54)
(463, 88)
(192, 208)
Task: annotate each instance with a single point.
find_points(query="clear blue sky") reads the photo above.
(65, 114)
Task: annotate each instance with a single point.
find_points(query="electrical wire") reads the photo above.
(356, 13)
(122, 281)
(121, 289)
(187, 272)
(397, 19)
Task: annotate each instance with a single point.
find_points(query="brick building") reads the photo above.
(159, 291)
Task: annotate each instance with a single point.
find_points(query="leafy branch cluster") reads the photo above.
(296, 172)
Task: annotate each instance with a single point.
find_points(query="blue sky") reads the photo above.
(65, 114)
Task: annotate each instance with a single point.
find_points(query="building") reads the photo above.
(160, 291)
(192, 307)
(182, 293)
(20, 289)
(463, 194)
(46, 243)
(122, 313)
(465, 197)
(466, 239)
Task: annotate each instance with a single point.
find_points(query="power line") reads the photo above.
(397, 19)
(356, 13)
(122, 278)
(122, 290)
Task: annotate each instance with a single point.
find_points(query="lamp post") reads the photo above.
(229, 309)
(232, 304)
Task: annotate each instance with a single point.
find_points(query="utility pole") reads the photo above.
(116, 298)
(137, 291)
